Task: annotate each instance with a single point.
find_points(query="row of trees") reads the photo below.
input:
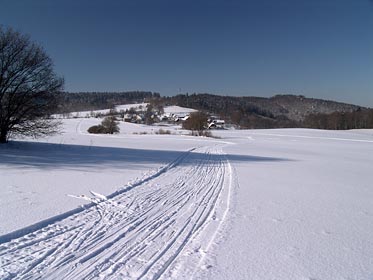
(88, 101)
(337, 120)
(281, 111)
(245, 112)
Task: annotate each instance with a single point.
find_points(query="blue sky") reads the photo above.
(318, 48)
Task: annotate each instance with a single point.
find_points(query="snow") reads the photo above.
(302, 212)
(125, 107)
(137, 106)
(254, 204)
(178, 110)
(37, 176)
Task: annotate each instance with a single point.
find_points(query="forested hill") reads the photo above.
(293, 107)
(246, 112)
(298, 107)
(275, 112)
(86, 101)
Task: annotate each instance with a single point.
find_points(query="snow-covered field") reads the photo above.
(253, 204)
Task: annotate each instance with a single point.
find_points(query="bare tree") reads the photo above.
(196, 122)
(28, 87)
(110, 124)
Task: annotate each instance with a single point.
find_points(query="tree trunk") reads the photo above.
(3, 136)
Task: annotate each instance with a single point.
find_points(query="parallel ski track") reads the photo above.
(136, 234)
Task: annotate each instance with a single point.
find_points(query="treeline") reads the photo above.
(362, 118)
(281, 111)
(87, 101)
(245, 112)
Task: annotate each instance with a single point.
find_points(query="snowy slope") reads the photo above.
(255, 204)
(178, 110)
(138, 106)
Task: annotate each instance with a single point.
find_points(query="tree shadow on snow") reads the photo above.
(64, 156)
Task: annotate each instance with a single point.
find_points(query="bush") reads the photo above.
(205, 133)
(97, 129)
(162, 131)
(108, 126)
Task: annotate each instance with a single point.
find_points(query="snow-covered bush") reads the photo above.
(97, 129)
(109, 125)
(162, 131)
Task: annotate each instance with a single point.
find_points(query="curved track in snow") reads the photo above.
(160, 228)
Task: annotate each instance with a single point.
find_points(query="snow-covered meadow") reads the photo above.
(252, 204)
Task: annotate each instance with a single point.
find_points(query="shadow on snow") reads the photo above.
(57, 156)
(62, 156)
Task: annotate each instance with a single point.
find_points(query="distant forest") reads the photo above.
(358, 119)
(88, 101)
(280, 111)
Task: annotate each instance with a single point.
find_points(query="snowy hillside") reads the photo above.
(136, 106)
(253, 204)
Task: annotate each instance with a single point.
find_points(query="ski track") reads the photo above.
(147, 232)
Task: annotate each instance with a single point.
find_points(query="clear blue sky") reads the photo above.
(318, 48)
